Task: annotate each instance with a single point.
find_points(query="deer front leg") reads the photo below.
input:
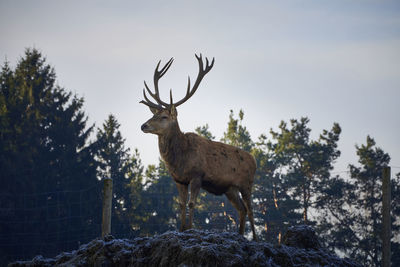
(195, 185)
(183, 197)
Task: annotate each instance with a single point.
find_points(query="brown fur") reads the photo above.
(200, 163)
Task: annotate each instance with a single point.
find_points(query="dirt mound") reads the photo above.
(197, 248)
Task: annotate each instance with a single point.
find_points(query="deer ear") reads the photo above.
(173, 112)
(153, 110)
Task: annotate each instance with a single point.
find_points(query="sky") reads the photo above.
(331, 61)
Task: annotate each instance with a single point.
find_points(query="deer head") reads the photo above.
(164, 114)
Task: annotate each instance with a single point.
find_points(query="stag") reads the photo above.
(194, 161)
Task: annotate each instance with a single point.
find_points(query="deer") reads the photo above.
(196, 162)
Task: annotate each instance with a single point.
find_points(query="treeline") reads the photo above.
(52, 163)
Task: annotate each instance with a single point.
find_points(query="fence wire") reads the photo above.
(47, 223)
(52, 222)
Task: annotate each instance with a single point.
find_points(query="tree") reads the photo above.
(368, 184)
(275, 209)
(306, 163)
(361, 205)
(126, 172)
(335, 216)
(395, 210)
(45, 153)
(204, 131)
(237, 134)
(133, 214)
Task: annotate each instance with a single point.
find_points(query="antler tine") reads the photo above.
(188, 87)
(165, 68)
(200, 60)
(157, 75)
(156, 95)
(148, 102)
(209, 66)
(202, 72)
(148, 90)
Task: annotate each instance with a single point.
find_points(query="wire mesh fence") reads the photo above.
(52, 222)
(47, 223)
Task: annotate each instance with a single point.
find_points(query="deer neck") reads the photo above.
(171, 145)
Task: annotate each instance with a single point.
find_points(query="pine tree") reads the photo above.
(358, 224)
(133, 210)
(395, 211)
(116, 163)
(276, 210)
(237, 134)
(205, 132)
(44, 154)
(305, 163)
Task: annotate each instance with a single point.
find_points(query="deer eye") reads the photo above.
(164, 117)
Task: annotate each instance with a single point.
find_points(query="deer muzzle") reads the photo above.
(145, 128)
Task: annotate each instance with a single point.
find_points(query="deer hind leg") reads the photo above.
(183, 198)
(246, 195)
(233, 196)
(195, 185)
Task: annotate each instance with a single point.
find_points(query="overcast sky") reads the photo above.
(332, 61)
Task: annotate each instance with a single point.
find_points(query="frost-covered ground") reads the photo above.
(198, 248)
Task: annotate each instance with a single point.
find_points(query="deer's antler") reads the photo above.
(200, 76)
(190, 91)
(157, 75)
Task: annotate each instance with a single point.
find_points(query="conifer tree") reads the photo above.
(44, 153)
(237, 134)
(355, 206)
(276, 210)
(205, 132)
(134, 210)
(116, 163)
(305, 163)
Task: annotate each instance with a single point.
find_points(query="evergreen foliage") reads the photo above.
(291, 170)
(204, 131)
(276, 210)
(305, 163)
(126, 171)
(355, 206)
(237, 134)
(44, 152)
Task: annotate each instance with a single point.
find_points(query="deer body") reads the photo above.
(195, 162)
(219, 166)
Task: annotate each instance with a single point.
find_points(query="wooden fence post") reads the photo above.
(386, 220)
(107, 204)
